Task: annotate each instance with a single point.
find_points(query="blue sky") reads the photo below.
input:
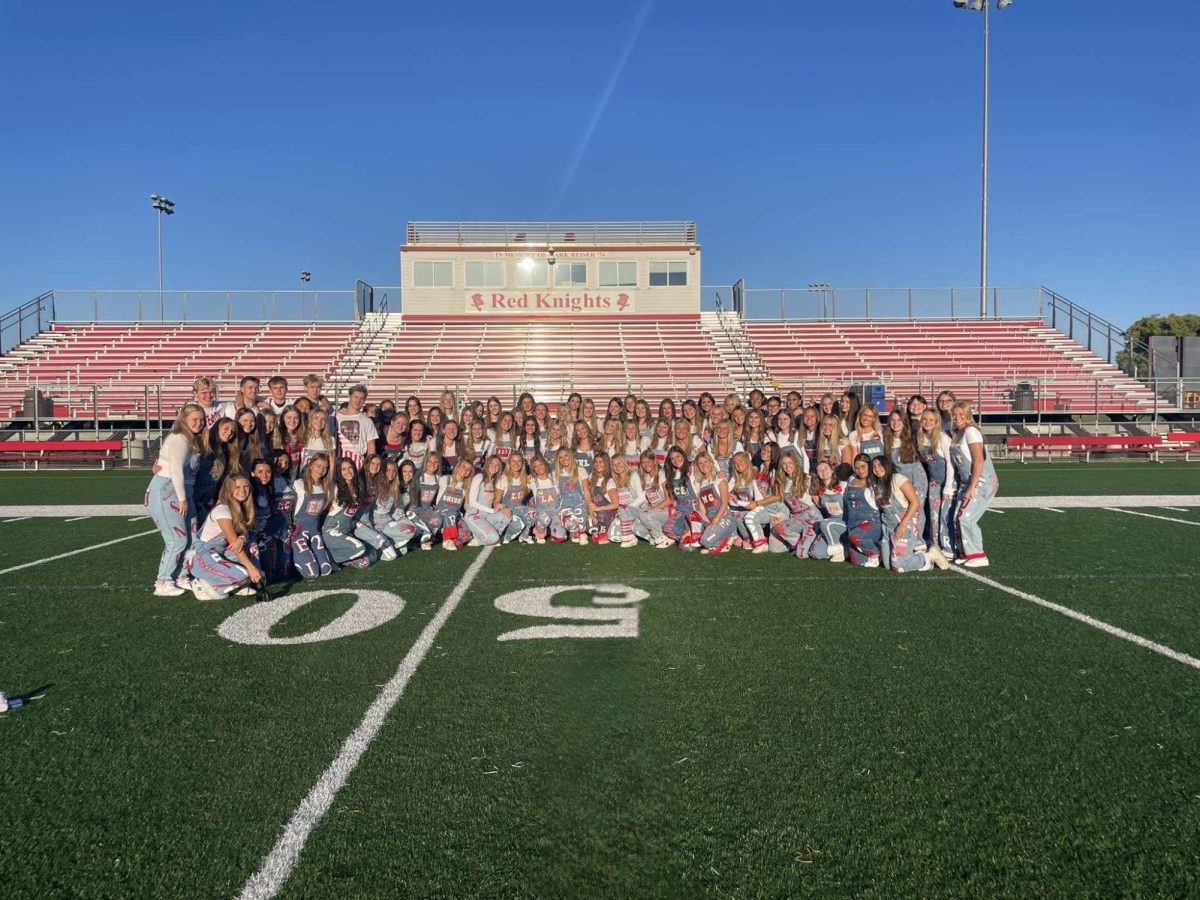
(833, 141)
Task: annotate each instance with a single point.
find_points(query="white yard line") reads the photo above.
(38, 562)
(278, 865)
(1130, 512)
(998, 512)
(1053, 509)
(1160, 649)
(18, 519)
(57, 512)
(1174, 508)
(78, 519)
(138, 519)
(1088, 502)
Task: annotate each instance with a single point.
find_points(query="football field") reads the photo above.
(565, 721)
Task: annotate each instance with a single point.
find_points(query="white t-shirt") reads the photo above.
(211, 527)
(174, 456)
(355, 433)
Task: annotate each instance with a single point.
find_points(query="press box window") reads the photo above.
(573, 274)
(618, 274)
(433, 273)
(668, 274)
(485, 274)
(532, 272)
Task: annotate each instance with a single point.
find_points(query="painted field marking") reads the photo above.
(1095, 501)
(998, 512)
(1130, 512)
(278, 864)
(1160, 649)
(18, 519)
(78, 519)
(38, 562)
(1054, 509)
(1175, 508)
(138, 519)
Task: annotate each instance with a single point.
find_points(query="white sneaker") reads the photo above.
(958, 560)
(937, 558)
(629, 542)
(980, 562)
(388, 554)
(580, 539)
(761, 548)
(539, 540)
(926, 567)
(165, 588)
(664, 544)
(872, 563)
(426, 545)
(837, 553)
(3, 702)
(449, 545)
(247, 591)
(184, 581)
(202, 590)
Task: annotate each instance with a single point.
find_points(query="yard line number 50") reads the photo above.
(611, 615)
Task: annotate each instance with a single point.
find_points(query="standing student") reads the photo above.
(809, 431)
(479, 446)
(866, 436)
(541, 415)
(262, 498)
(587, 413)
(686, 439)
(289, 434)
(656, 502)
(585, 447)
(829, 493)
(413, 408)
(555, 439)
(449, 403)
(395, 437)
(276, 552)
(356, 430)
(419, 447)
(915, 406)
(611, 441)
(900, 509)
(712, 488)
(504, 437)
(569, 414)
(902, 450)
(247, 398)
(312, 490)
(600, 496)
(530, 443)
(745, 494)
(848, 407)
(220, 460)
(513, 494)
(864, 528)
(666, 409)
(170, 496)
(312, 385)
(452, 446)
(572, 503)
(934, 447)
(945, 407)
(277, 399)
(350, 540)
(686, 522)
(318, 439)
(250, 442)
(977, 485)
(450, 505)
(723, 447)
(660, 441)
(225, 562)
(644, 421)
(754, 435)
(204, 394)
(631, 444)
(787, 434)
(832, 445)
(798, 530)
(487, 518)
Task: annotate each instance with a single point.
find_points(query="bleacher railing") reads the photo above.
(27, 320)
(205, 306)
(825, 304)
(557, 233)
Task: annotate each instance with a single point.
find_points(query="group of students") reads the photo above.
(259, 491)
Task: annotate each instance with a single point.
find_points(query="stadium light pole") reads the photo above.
(984, 6)
(305, 278)
(823, 288)
(163, 207)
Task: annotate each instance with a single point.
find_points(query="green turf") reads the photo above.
(111, 486)
(778, 728)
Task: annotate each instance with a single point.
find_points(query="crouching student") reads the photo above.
(601, 507)
(387, 513)
(485, 517)
(904, 549)
(450, 505)
(546, 522)
(686, 522)
(226, 561)
(572, 505)
(745, 494)
(514, 491)
(276, 551)
(656, 503)
(829, 494)
(312, 490)
(798, 531)
(713, 492)
(351, 541)
(863, 526)
(626, 492)
(423, 498)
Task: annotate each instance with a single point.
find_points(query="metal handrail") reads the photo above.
(669, 232)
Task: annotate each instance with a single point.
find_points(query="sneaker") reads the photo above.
(629, 542)
(704, 551)
(664, 544)
(426, 545)
(580, 538)
(388, 554)
(937, 558)
(927, 567)
(167, 588)
(539, 540)
(837, 553)
(3, 702)
(872, 563)
(247, 591)
(202, 590)
(184, 581)
(761, 548)
(449, 545)
(979, 562)
(958, 560)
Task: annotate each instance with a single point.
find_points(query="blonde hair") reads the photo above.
(241, 513)
(619, 471)
(740, 480)
(323, 434)
(197, 442)
(799, 486)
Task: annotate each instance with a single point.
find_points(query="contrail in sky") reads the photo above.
(619, 69)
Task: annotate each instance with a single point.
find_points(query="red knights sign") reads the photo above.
(549, 303)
